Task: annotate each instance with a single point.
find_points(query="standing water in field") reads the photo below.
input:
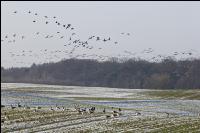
(48, 95)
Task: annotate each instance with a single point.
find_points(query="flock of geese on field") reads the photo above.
(70, 38)
(116, 112)
(109, 113)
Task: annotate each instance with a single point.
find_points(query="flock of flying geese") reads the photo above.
(70, 40)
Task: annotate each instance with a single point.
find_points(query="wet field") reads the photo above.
(141, 112)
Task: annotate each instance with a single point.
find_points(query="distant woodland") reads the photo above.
(168, 74)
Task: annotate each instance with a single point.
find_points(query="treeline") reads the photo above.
(168, 74)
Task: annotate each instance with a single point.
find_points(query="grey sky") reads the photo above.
(163, 26)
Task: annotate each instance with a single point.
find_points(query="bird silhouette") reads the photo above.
(75, 43)
(68, 25)
(90, 38)
(98, 38)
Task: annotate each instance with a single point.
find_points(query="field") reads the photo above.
(51, 108)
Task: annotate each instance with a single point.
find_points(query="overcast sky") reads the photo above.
(163, 26)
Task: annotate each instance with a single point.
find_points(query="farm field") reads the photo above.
(52, 108)
(100, 67)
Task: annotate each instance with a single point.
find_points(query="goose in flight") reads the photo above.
(98, 38)
(75, 41)
(90, 38)
(85, 42)
(68, 25)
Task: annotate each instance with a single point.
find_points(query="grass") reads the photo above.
(46, 120)
(74, 122)
(183, 125)
(151, 94)
(183, 128)
(173, 94)
(101, 98)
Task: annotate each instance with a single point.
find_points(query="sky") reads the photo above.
(165, 27)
